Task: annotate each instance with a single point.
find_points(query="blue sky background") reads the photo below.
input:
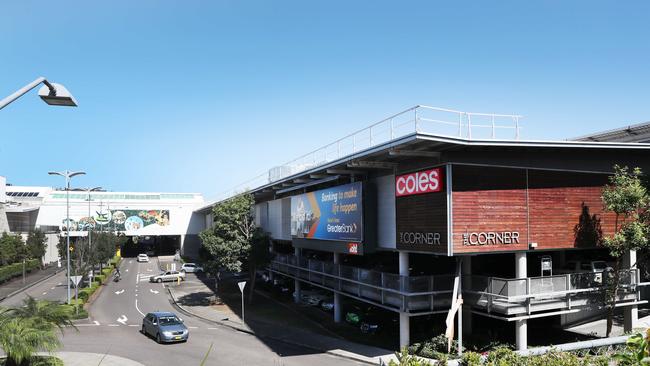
(197, 96)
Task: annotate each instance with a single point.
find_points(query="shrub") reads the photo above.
(431, 348)
(76, 311)
(406, 359)
(503, 356)
(106, 272)
(100, 278)
(46, 361)
(471, 359)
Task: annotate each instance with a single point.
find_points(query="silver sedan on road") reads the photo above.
(165, 327)
(168, 276)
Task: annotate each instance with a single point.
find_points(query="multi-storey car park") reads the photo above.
(431, 206)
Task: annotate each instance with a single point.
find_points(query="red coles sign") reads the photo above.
(426, 181)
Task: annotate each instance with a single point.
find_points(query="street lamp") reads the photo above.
(88, 190)
(51, 93)
(68, 176)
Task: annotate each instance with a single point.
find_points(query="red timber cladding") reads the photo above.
(489, 211)
(486, 199)
(556, 203)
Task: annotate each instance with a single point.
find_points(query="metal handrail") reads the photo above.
(412, 120)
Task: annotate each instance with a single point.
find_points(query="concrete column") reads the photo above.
(467, 283)
(182, 245)
(271, 274)
(404, 330)
(337, 297)
(521, 326)
(296, 294)
(404, 319)
(630, 313)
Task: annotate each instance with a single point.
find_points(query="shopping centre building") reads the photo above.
(435, 209)
(162, 223)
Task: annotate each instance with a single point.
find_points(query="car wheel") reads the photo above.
(159, 280)
(143, 330)
(158, 340)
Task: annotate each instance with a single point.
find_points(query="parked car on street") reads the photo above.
(143, 258)
(312, 298)
(191, 268)
(168, 276)
(165, 327)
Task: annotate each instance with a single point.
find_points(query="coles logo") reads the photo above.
(426, 181)
(353, 248)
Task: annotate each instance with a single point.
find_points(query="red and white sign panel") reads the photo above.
(353, 248)
(426, 181)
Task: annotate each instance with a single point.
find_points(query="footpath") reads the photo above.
(85, 359)
(16, 285)
(270, 319)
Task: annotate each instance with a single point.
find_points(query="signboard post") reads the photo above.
(242, 284)
(75, 281)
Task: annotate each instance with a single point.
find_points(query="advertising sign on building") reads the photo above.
(330, 214)
(421, 211)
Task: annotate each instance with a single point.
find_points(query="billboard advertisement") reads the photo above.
(330, 214)
(118, 220)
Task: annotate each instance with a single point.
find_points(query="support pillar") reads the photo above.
(521, 326)
(296, 293)
(337, 297)
(271, 273)
(181, 249)
(467, 283)
(630, 313)
(404, 330)
(404, 319)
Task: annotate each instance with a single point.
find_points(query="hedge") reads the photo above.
(14, 270)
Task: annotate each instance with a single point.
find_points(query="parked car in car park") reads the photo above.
(312, 298)
(143, 258)
(597, 267)
(168, 276)
(191, 268)
(165, 327)
(327, 304)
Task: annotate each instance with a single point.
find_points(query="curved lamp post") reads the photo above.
(51, 93)
(68, 176)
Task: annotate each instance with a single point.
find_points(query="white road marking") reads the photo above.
(136, 295)
(96, 322)
(113, 325)
(137, 308)
(153, 291)
(123, 319)
(126, 270)
(45, 293)
(119, 292)
(52, 288)
(193, 327)
(59, 284)
(133, 325)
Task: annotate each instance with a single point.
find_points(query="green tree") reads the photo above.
(627, 198)
(27, 329)
(11, 248)
(229, 240)
(258, 257)
(36, 244)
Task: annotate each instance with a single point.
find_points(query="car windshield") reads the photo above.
(169, 320)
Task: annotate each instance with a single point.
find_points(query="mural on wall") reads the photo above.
(118, 220)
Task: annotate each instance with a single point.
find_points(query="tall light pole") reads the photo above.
(68, 176)
(88, 190)
(51, 93)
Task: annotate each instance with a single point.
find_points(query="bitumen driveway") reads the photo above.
(116, 318)
(54, 289)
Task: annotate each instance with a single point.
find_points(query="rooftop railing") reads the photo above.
(419, 119)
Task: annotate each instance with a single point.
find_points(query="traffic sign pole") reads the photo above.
(242, 284)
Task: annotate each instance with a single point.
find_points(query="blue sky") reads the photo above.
(197, 96)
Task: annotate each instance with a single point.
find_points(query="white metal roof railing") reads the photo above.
(419, 119)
